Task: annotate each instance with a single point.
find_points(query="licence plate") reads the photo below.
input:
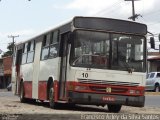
(108, 98)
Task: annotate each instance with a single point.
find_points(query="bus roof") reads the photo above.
(47, 31)
(110, 25)
(99, 23)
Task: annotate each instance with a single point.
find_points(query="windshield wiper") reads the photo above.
(74, 62)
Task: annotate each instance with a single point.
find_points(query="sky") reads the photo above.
(30, 18)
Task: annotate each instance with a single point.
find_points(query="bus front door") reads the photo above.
(63, 66)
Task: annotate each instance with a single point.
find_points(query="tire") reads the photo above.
(52, 104)
(71, 105)
(22, 98)
(114, 108)
(156, 88)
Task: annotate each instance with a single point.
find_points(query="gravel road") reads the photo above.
(10, 104)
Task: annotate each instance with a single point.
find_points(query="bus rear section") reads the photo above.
(96, 61)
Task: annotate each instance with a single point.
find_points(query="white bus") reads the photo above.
(89, 60)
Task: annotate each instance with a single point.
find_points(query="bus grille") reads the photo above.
(103, 82)
(103, 89)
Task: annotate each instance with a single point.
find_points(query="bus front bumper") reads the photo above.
(103, 99)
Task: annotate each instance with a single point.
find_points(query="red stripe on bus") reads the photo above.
(28, 89)
(55, 91)
(102, 89)
(42, 90)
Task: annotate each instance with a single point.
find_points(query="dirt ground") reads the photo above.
(11, 105)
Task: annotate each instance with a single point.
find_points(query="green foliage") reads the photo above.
(10, 46)
(9, 52)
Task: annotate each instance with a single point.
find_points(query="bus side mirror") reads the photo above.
(159, 37)
(152, 42)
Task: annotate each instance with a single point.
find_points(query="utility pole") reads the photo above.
(13, 36)
(134, 16)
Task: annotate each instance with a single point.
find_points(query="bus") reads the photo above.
(89, 61)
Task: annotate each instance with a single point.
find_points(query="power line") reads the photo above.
(154, 23)
(109, 8)
(4, 43)
(114, 10)
(153, 12)
(27, 0)
(146, 21)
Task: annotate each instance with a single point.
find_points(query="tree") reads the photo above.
(10, 50)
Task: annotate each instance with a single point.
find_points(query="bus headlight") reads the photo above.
(134, 91)
(79, 88)
(137, 92)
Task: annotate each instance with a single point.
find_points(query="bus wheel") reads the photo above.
(51, 98)
(114, 108)
(22, 98)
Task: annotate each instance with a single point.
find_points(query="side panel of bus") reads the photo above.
(49, 69)
(26, 72)
(36, 66)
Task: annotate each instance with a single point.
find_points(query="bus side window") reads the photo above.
(24, 55)
(54, 46)
(45, 46)
(30, 51)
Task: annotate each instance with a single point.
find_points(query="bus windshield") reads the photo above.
(108, 51)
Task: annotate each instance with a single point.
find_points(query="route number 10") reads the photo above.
(85, 75)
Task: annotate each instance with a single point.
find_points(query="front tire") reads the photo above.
(52, 104)
(114, 108)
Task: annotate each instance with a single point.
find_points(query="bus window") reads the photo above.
(30, 51)
(25, 48)
(54, 38)
(54, 46)
(24, 56)
(53, 51)
(127, 52)
(45, 47)
(91, 49)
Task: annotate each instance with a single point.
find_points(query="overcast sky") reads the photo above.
(29, 18)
